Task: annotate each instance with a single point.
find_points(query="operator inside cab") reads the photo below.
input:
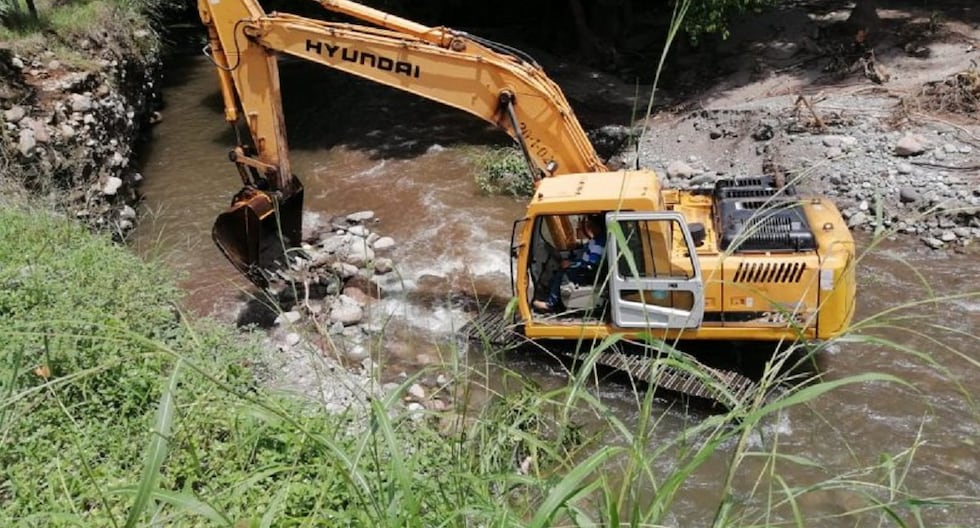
(579, 268)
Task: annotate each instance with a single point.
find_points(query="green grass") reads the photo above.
(62, 26)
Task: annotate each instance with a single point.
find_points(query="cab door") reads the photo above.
(655, 280)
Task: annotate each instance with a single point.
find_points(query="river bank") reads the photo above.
(75, 101)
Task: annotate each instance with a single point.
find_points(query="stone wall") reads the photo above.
(69, 124)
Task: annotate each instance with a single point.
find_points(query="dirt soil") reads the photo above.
(886, 123)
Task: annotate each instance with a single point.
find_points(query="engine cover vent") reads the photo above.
(769, 272)
(754, 215)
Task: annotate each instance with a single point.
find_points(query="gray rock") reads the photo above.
(948, 236)
(932, 242)
(41, 134)
(939, 155)
(904, 168)
(292, 339)
(864, 205)
(910, 145)
(962, 232)
(17, 62)
(360, 216)
(289, 317)
(383, 265)
(416, 391)
(834, 152)
(346, 310)
(81, 103)
(111, 186)
(857, 219)
(343, 269)
(335, 244)
(384, 243)
(950, 148)
(416, 411)
(15, 114)
(908, 195)
(26, 142)
(127, 213)
(357, 353)
(679, 169)
(359, 230)
(703, 179)
(359, 253)
(831, 141)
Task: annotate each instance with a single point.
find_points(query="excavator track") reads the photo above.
(724, 387)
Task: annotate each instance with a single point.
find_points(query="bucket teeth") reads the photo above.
(725, 387)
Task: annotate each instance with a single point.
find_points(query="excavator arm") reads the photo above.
(488, 80)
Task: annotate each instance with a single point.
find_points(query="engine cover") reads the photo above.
(754, 215)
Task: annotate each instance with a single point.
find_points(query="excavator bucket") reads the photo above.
(256, 232)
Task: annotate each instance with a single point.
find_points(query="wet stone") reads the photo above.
(933, 242)
(360, 216)
(383, 265)
(384, 243)
(359, 230)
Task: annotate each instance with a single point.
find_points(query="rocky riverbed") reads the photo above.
(325, 326)
(922, 181)
(891, 133)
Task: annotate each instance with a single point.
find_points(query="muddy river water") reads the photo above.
(361, 147)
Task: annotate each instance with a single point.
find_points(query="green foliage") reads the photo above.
(105, 23)
(711, 16)
(503, 171)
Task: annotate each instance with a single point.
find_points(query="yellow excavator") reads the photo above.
(749, 259)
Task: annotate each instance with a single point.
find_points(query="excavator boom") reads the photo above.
(488, 80)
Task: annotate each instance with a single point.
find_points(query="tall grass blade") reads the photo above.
(157, 451)
(571, 486)
(183, 502)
